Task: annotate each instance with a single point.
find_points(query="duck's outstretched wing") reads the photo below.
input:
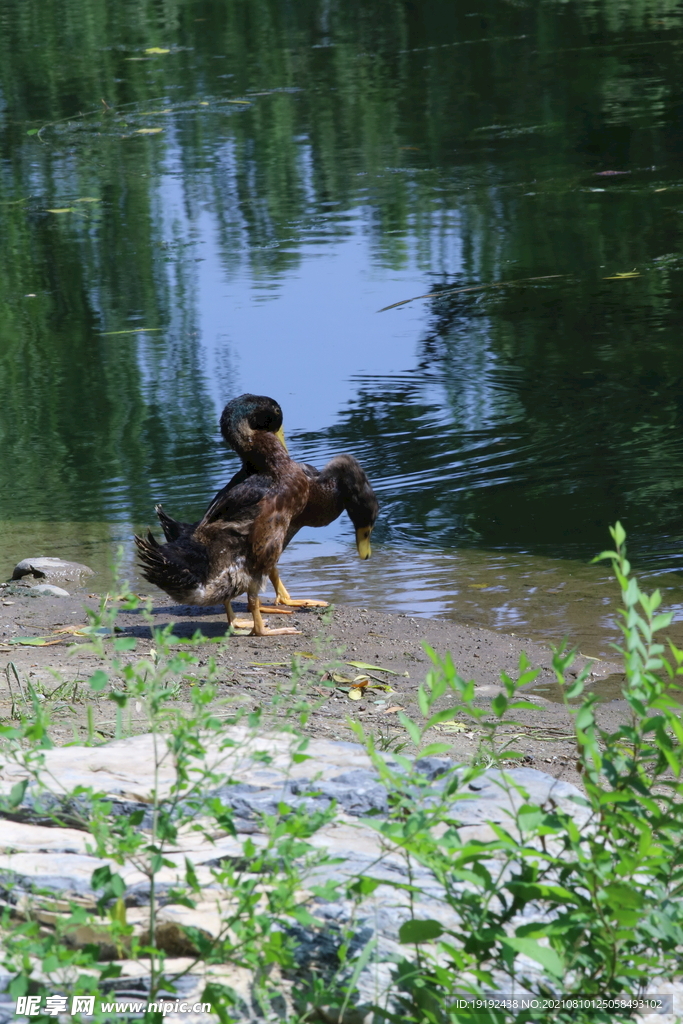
(239, 499)
(218, 501)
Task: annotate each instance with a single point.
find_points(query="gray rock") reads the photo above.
(51, 569)
(491, 797)
(50, 590)
(358, 792)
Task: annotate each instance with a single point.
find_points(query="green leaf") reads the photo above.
(19, 985)
(117, 913)
(631, 594)
(191, 875)
(620, 894)
(410, 727)
(304, 916)
(575, 689)
(585, 719)
(98, 680)
(364, 886)
(328, 892)
(543, 955)
(499, 705)
(618, 533)
(33, 131)
(359, 966)
(104, 877)
(126, 643)
(16, 793)
(528, 677)
(434, 749)
(603, 555)
(419, 931)
(530, 817)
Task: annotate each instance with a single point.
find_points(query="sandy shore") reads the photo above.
(251, 669)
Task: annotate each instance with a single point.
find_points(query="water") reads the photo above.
(231, 214)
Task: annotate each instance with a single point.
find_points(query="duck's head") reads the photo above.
(244, 416)
(359, 498)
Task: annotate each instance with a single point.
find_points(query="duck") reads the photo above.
(218, 558)
(341, 486)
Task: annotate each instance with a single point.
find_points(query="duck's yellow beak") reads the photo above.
(363, 541)
(280, 435)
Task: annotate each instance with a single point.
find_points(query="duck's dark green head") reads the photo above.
(357, 496)
(244, 415)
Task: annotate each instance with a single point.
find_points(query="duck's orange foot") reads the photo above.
(264, 631)
(282, 596)
(272, 610)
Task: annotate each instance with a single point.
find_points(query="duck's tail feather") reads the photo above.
(165, 566)
(173, 528)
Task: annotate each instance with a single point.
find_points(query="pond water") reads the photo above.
(199, 199)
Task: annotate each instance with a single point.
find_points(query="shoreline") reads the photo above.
(251, 669)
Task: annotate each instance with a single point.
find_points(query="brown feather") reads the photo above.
(276, 512)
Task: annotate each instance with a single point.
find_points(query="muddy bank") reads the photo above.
(251, 670)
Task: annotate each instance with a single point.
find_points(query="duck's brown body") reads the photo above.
(341, 486)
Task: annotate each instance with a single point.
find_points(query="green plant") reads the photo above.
(582, 906)
(257, 889)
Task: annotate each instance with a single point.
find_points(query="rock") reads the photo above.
(51, 569)
(50, 590)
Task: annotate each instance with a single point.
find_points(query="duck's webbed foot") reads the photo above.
(282, 597)
(260, 628)
(234, 621)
